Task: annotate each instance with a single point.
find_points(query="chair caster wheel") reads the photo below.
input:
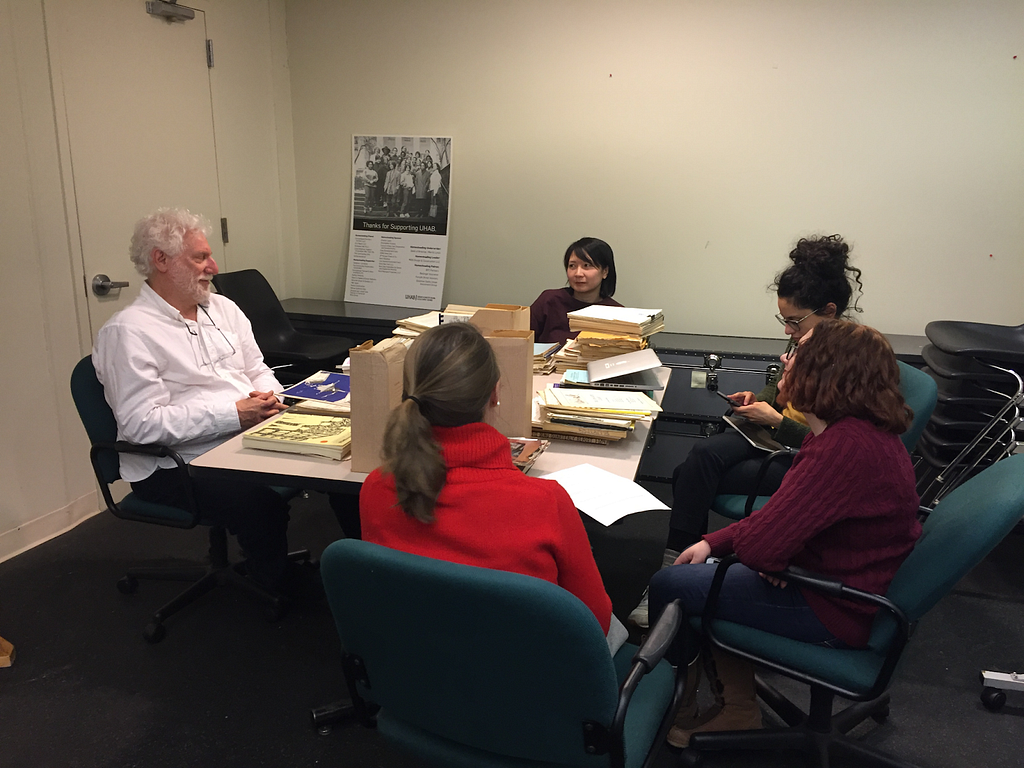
(154, 632)
(691, 758)
(127, 585)
(993, 699)
(880, 716)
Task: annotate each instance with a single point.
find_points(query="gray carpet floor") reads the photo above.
(227, 688)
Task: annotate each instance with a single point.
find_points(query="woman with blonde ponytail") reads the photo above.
(447, 487)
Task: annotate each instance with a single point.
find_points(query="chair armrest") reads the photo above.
(159, 451)
(660, 637)
(768, 461)
(647, 657)
(833, 588)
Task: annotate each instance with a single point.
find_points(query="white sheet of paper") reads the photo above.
(604, 496)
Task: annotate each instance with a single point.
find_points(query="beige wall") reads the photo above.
(700, 138)
(44, 473)
(724, 131)
(44, 470)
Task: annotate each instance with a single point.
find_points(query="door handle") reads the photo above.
(101, 285)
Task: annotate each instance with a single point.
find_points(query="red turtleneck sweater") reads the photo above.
(490, 514)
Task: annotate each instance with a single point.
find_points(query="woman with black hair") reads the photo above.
(590, 271)
(819, 284)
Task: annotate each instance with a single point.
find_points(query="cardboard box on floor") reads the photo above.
(6, 653)
(375, 380)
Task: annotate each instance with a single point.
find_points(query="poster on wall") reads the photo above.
(399, 243)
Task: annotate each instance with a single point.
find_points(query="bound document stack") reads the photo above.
(411, 327)
(617, 320)
(306, 433)
(542, 357)
(603, 415)
(568, 358)
(594, 345)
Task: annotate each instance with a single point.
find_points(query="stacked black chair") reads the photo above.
(977, 367)
(293, 355)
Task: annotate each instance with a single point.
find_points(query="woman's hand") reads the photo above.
(759, 412)
(772, 580)
(698, 553)
(742, 398)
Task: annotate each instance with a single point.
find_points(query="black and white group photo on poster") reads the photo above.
(401, 190)
(402, 177)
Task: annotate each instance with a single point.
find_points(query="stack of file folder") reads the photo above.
(411, 327)
(590, 415)
(595, 345)
(568, 358)
(543, 354)
(631, 321)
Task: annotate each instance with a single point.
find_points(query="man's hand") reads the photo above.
(698, 553)
(257, 407)
(759, 412)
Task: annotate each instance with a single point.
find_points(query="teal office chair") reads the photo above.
(918, 389)
(958, 533)
(101, 427)
(476, 667)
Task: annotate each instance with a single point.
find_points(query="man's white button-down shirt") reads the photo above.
(174, 381)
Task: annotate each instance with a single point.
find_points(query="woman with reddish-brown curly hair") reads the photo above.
(847, 510)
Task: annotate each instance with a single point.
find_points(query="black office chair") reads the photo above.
(101, 427)
(978, 368)
(295, 355)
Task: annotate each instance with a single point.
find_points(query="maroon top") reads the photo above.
(548, 319)
(847, 509)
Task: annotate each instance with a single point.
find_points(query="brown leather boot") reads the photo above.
(735, 700)
(687, 714)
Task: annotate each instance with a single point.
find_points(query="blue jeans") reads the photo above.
(746, 599)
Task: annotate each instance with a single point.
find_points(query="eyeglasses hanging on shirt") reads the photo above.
(209, 348)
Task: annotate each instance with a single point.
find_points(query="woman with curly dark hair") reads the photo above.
(846, 510)
(819, 284)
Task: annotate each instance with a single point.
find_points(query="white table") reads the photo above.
(230, 459)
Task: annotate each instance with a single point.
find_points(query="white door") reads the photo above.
(139, 122)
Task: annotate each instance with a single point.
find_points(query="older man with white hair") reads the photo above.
(180, 367)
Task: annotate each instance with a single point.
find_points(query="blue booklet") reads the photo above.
(325, 386)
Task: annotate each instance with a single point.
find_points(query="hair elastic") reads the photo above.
(414, 399)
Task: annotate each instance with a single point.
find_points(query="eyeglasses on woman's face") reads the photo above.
(795, 324)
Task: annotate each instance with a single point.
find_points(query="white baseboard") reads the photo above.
(35, 532)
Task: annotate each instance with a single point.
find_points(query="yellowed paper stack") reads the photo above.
(595, 345)
(603, 414)
(568, 358)
(543, 358)
(617, 320)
